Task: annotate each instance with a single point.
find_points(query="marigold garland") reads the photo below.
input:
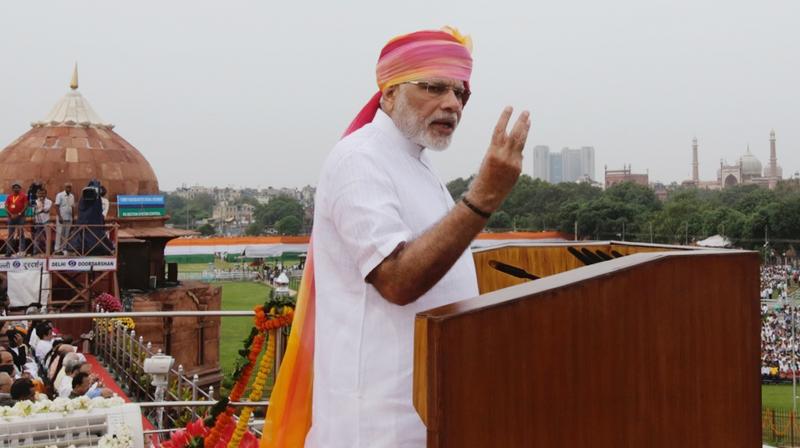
(258, 387)
(280, 314)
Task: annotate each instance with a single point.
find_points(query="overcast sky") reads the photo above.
(256, 93)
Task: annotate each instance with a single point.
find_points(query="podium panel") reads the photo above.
(648, 350)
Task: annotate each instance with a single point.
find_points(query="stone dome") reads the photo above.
(72, 144)
(751, 166)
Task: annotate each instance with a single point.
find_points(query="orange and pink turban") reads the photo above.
(416, 56)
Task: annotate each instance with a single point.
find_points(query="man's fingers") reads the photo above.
(519, 134)
(502, 124)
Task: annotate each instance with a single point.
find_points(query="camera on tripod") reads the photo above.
(91, 192)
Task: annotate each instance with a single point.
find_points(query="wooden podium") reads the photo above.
(656, 349)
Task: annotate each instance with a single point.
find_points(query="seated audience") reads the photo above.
(23, 389)
(72, 365)
(5, 389)
(86, 384)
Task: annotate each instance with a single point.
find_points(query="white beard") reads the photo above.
(418, 130)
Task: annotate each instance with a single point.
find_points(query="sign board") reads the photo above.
(21, 264)
(141, 205)
(82, 264)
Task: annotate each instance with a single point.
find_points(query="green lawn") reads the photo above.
(778, 395)
(236, 296)
(200, 267)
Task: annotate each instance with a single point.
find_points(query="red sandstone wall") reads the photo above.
(181, 337)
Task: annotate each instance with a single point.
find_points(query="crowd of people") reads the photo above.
(36, 362)
(779, 349)
(63, 210)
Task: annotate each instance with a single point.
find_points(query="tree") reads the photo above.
(277, 209)
(500, 221)
(207, 230)
(289, 225)
(185, 212)
(254, 229)
(457, 187)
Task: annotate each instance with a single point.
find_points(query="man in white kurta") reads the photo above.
(389, 241)
(377, 191)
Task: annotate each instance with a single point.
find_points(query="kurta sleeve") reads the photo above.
(366, 211)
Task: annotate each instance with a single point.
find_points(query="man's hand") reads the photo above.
(412, 269)
(502, 163)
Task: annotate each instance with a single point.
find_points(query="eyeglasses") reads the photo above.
(437, 89)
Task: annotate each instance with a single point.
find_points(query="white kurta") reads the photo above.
(376, 190)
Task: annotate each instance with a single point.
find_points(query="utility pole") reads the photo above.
(576, 230)
(651, 232)
(686, 240)
(623, 230)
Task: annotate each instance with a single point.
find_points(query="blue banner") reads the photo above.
(140, 200)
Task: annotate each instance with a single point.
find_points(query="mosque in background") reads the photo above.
(746, 171)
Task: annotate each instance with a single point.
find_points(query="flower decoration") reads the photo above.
(219, 430)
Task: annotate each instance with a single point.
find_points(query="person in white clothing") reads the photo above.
(389, 241)
(104, 200)
(41, 217)
(65, 211)
(72, 365)
(45, 334)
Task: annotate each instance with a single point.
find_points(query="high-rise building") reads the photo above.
(556, 169)
(577, 164)
(569, 165)
(587, 162)
(695, 164)
(541, 163)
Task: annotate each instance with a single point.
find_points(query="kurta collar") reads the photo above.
(385, 123)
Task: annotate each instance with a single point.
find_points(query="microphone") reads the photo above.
(511, 270)
(580, 256)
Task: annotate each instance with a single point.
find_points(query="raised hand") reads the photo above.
(502, 163)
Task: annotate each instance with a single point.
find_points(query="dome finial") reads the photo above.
(74, 83)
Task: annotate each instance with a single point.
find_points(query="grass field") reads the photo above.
(236, 296)
(200, 267)
(777, 396)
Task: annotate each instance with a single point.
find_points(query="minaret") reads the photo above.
(773, 156)
(74, 83)
(695, 165)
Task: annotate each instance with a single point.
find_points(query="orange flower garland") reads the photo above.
(271, 321)
(258, 388)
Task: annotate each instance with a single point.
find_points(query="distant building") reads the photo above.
(746, 171)
(219, 194)
(541, 162)
(304, 195)
(660, 190)
(570, 165)
(555, 169)
(613, 177)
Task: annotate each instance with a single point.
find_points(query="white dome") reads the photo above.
(751, 166)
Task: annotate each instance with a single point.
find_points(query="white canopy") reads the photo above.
(715, 241)
(272, 250)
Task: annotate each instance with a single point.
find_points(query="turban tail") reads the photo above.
(289, 413)
(415, 56)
